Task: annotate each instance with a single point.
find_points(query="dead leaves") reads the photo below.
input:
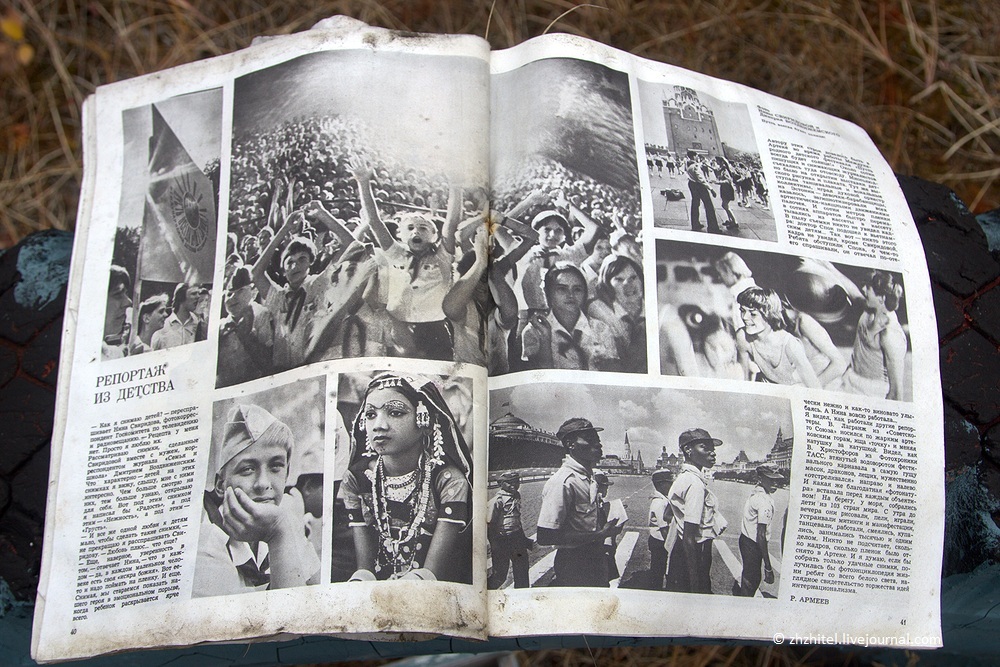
(15, 54)
(14, 47)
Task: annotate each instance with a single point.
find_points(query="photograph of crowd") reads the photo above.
(356, 213)
(570, 489)
(163, 262)
(769, 317)
(703, 164)
(566, 277)
(403, 508)
(262, 518)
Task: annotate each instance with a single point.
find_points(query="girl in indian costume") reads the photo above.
(408, 489)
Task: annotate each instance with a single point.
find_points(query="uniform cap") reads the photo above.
(556, 216)
(245, 426)
(696, 435)
(770, 472)
(575, 425)
(661, 474)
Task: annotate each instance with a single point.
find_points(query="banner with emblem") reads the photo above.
(179, 222)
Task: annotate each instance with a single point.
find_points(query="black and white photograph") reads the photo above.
(262, 518)
(356, 212)
(163, 262)
(566, 276)
(646, 488)
(704, 164)
(404, 506)
(784, 319)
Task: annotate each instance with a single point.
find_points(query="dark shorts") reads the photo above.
(585, 565)
(422, 340)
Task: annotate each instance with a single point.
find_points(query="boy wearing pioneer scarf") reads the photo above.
(414, 272)
(304, 296)
(255, 543)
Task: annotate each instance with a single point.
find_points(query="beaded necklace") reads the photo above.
(400, 488)
(401, 548)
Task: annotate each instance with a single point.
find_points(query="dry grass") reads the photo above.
(922, 76)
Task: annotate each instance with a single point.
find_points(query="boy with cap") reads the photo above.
(660, 537)
(556, 244)
(304, 297)
(755, 531)
(694, 515)
(569, 517)
(508, 543)
(258, 544)
(246, 335)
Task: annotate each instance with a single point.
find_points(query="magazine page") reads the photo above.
(271, 417)
(707, 320)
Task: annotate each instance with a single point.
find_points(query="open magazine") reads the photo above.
(403, 336)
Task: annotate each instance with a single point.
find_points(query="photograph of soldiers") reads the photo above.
(568, 179)
(714, 180)
(584, 487)
(165, 238)
(262, 510)
(743, 314)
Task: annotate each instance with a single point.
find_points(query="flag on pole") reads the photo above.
(179, 222)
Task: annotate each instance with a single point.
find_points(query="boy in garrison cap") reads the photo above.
(508, 543)
(755, 531)
(258, 543)
(661, 539)
(246, 335)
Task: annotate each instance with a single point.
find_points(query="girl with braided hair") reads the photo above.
(407, 489)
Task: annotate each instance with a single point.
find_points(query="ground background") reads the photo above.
(921, 76)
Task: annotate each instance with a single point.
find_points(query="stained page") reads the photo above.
(717, 314)
(271, 413)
